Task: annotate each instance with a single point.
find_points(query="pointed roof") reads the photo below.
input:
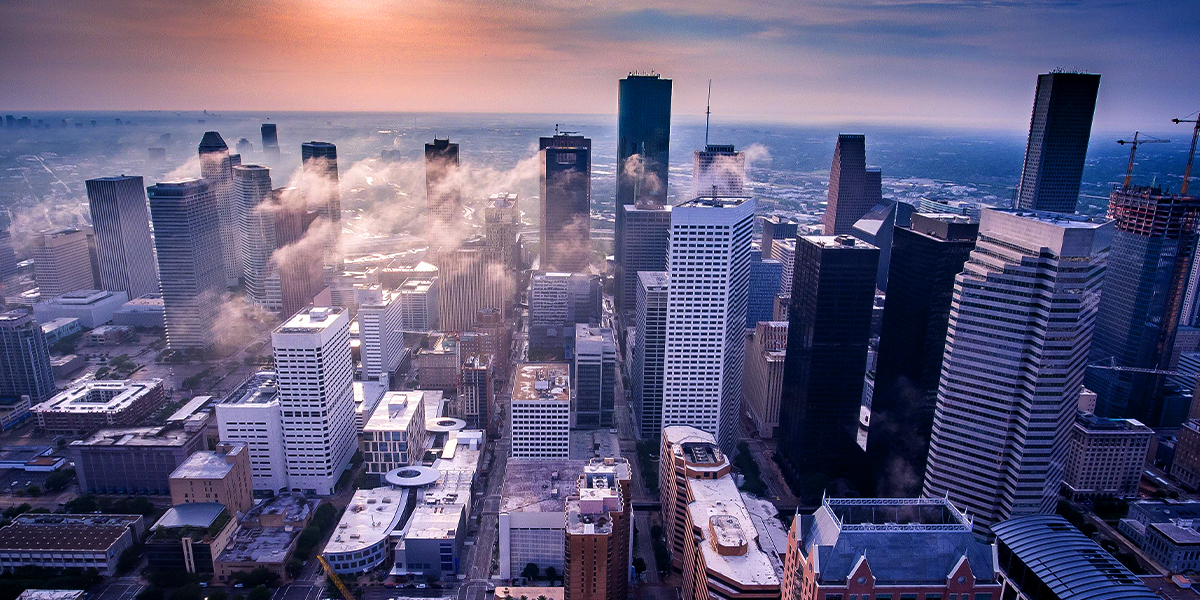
(212, 142)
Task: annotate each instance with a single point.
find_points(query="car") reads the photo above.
(239, 585)
(421, 586)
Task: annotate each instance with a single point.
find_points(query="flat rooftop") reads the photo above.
(395, 412)
(1093, 423)
(838, 241)
(206, 465)
(415, 285)
(195, 514)
(539, 485)
(100, 396)
(714, 202)
(51, 595)
(1178, 534)
(369, 518)
(261, 388)
(66, 532)
(729, 526)
(542, 381)
(83, 297)
(136, 436)
(313, 320)
(259, 544)
(1067, 221)
(294, 507)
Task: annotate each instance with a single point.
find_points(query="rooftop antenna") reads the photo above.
(707, 113)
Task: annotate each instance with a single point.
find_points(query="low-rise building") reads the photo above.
(189, 537)
(367, 395)
(13, 411)
(107, 335)
(51, 595)
(93, 404)
(887, 547)
(62, 366)
(221, 476)
(1167, 531)
(438, 364)
(135, 460)
(533, 512)
(394, 436)
(360, 540)
(528, 593)
(146, 311)
(1044, 556)
(598, 532)
(540, 411)
(61, 328)
(35, 459)
(762, 385)
(93, 308)
(60, 541)
(1105, 457)
(1185, 468)
(266, 537)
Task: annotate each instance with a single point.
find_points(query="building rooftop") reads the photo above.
(100, 396)
(313, 320)
(292, 506)
(259, 544)
(731, 546)
(1178, 534)
(1164, 510)
(698, 448)
(1072, 566)
(714, 202)
(395, 411)
(1097, 424)
(208, 465)
(1066, 221)
(261, 388)
(598, 495)
(528, 593)
(65, 532)
(416, 285)
(539, 485)
(369, 518)
(83, 297)
(838, 241)
(137, 436)
(188, 409)
(53, 324)
(195, 514)
(542, 381)
(51, 595)
(655, 278)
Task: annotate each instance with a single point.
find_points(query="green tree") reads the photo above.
(530, 572)
(294, 567)
(59, 480)
(259, 593)
(129, 558)
(257, 577)
(639, 567)
(34, 491)
(551, 574)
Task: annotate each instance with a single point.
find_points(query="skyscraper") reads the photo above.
(1141, 304)
(471, 277)
(315, 372)
(597, 533)
(187, 237)
(594, 376)
(245, 148)
(380, 334)
(853, 188)
(775, 227)
(501, 222)
(216, 165)
(257, 226)
(709, 267)
(419, 304)
(719, 170)
(321, 171)
(297, 267)
(766, 352)
(644, 131)
(557, 301)
(442, 192)
(926, 257)
(764, 286)
(124, 248)
(784, 251)
(62, 262)
(877, 227)
(24, 358)
(1059, 131)
(566, 187)
(829, 330)
(1011, 374)
(8, 257)
(649, 352)
(642, 247)
(270, 142)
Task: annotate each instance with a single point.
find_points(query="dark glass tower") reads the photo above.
(216, 166)
(1142, 298)
(764, 286)
(566, 192)
(853, 188)
(876, 228)
(320, 161)
(925, 259)
(442, 196)
(270, 141)
(643, 248)
(833, 291)
(124, 248)
(24, 357)
(775, 227)
(643, 129)
(1058, 139)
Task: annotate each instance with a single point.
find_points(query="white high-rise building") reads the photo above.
(719, 170)
(251, 415)
(61, 262)
(784, 251)
(257, 230)
(709, 269)
(316, 372)
(124, 248)
(380, 333)
(1020, 329)
(419, 303)
(540, 411)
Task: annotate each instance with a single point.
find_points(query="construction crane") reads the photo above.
(346, 595)
(1187, 173)
(1110, 364)
(1133, 145)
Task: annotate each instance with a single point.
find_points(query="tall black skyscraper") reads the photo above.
(829, 329)
(320, 161)
(643, 129)
(925, 259)
(270, 141)
(566, 191)
(1142, 298)
(1058, 139)
(442, 194)
(853, 188)
(216, 166)
(121, 222)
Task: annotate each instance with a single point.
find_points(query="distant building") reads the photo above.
(853, 188)
(146, 311)
(939, 206)
(765, 278)
(1106, 457)
(470, 277)
(1166, 530)
(642, 247)
(187, 238)
(442, 192)
(107, 335)
(380, 330)
(557, 302)
(63, 541)
(257, 234)
(245, 147)
(877, 228)
(124, 248)
(784, 251)
(999, 333)
(24, 357)
(533, 510)
(419, 304)
(270, 141)
(221, 476)
(501, 222)
(189, 537)
(565, 163)
(719, 170)
(13, 411)
(216, 167)
(61, 262)
(540, 411)
(594, 378)
(643, 135)
(766, 350)
(476, 395)
(1059, 131)
(319, 160)
(828, 338)
(1045, 556)
(93, 308)
(649, 352)
(438, 364)
(599, 526)
(891, 547)
(135, 460)
(60, 328)
(775, 227)
(1185, 468)
(266, 537)
(394, 436)
(94, 404)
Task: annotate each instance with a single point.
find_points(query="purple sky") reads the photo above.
(946, 62)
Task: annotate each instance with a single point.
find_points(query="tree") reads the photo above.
(259, 593)
(551, 574)
(191, 591)
(530, 572)
(294, 568)
(129, 558)
(34, 491)
(260, 576)
(59, 480)
(639, 567)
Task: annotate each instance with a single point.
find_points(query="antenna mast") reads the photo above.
(707, 113)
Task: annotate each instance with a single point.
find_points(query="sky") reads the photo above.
(963, 63)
